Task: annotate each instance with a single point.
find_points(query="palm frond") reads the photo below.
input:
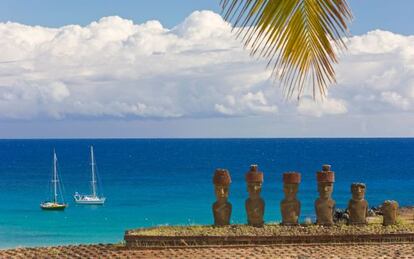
(297, 37)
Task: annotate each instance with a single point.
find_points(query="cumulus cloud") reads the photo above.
(319, 108)
(250, 103)
(376, 75)
(396, 100)
(113, 67)
(116, 68)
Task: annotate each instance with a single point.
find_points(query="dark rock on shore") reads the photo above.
(341, 216)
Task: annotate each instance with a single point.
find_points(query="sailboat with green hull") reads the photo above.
(54, 204)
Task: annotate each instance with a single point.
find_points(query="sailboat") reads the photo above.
(54, 203)
(91, 199)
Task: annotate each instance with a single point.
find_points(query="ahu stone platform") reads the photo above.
(243, 235)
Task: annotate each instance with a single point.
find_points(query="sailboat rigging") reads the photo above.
(94, 198)
(54, 203)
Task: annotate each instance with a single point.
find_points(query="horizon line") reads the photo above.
(206, 138)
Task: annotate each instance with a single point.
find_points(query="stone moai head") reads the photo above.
(326, 179)
(390, 212)
(254, 179)
(291, 182)
(358, 191)
(221, 181)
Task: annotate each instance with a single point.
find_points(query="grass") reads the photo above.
(375, 227)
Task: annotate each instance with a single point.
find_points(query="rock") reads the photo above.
(371, 213)
(341, 215)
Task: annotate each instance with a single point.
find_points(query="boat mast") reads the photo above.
(54, 177)
(93, 173)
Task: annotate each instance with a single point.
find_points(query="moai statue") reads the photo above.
(389, 213)
(290, 206)
(358, 206)
(222, 208)
(254, 204)
(325, 205)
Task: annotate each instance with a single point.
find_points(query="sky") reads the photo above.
(166, 69)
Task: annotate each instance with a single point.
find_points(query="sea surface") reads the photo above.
(150, 182)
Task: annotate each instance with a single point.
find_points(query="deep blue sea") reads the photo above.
(151, 182)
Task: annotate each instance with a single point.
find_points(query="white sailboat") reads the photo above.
(54, 204)
(94, 198)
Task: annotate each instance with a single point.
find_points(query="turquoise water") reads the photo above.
(160, 182)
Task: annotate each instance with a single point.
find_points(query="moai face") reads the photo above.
(358, 191)
(222, 192)
(325, 190)
(254, 180)
(254, 189)
(221, 181)
(290, 190)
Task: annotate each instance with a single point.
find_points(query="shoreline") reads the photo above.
(121, 249)
(406, 215)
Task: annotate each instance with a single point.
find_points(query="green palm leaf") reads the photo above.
(298, 37)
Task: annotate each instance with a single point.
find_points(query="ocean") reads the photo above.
(151, 182)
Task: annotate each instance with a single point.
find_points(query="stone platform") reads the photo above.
(241, 235)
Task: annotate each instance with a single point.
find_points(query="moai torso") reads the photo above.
(325, 205)
(290, 211)
(358, 206)
(358, 211)
(222, 213)
(389, 212)
(255, 211)
(255, 205)
(325, 209)
(290, 206)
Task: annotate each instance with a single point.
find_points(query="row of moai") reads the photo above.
(290, 205)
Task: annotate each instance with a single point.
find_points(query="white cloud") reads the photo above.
(396, 100)
(319, 108)
(197, 69)
(248, 104)
(377, 73)
(113, 67)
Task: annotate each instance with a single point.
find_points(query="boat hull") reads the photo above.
(90, 202)
(88, 199)
(55, 206)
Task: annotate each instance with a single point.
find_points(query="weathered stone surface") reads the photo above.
(326, 175)
(358, 206)
(221, 177)
(290, 206)
(325, 205)
(255, 205)
(222, 208)
(292, 177)
(389, 212)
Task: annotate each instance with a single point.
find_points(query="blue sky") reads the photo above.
(395, 15)
(157, 68)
